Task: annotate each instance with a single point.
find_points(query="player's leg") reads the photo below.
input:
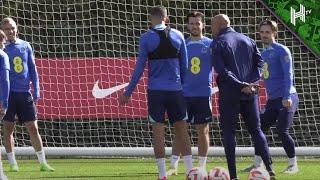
(203, 144)
(175, 157)
(202, 118)
(36, 142)
(26, 112)
(177, 113)
(159, 147)
(285, 121)
(8, 128)
(229, 115)
(250, 112)
(35, 137)
(267, 119)
(8, 143)
(183, 143)
(156, 110)
(2, 175)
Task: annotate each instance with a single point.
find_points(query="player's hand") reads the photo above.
(122, 100)
(246, 90)
(287, 103)
(254, 88)
(250, 89)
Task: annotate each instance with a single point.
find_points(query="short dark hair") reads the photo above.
(196, 14)
(272, 24)
(158, 11)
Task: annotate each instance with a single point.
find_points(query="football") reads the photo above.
(219, 173)
(258, 174)
(197, 174)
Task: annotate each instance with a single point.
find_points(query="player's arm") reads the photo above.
(214, 72)
(183, 59)
(5, 87)
(33, 73)
(286, 64)
(257, 70)
(139, 68)
(4, 82)
(219, 66)
(137, 73)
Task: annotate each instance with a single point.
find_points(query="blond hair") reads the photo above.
(7, 20)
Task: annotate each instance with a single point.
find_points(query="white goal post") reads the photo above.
(85, 47)
(148, 151)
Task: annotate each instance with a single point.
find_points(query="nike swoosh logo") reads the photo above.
(101, 93)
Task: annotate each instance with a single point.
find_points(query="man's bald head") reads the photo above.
(219, 22)
(7, 20)
(9, 27)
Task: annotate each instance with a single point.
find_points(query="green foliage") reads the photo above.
(309, 31)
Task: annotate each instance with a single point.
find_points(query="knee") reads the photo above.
(7, 134)
(283, 134)
(33, 130)
(180, 127)
(203, 131)
(254, 131)
(7, 130)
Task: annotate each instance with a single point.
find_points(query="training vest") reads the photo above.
(165, 49)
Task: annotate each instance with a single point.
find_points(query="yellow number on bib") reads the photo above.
(18, 66)
(265, 71)
(195, 65)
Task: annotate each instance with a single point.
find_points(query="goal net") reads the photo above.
(84, 48)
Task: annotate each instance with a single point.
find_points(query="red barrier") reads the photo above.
(67, 89)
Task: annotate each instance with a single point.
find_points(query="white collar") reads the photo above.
(160, 26)
(18, 41)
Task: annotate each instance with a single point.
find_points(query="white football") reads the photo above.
(258, 174)
(197, 174)
(219, 173)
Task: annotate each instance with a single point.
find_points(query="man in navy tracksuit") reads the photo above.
(239, 66)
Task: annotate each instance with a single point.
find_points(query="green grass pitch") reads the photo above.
(143, 169)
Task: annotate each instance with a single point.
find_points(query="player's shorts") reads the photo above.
(170, 102)
(22, 105)
(276, 104)
(274, 112)
(199, 110)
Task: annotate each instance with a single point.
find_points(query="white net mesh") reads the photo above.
(78, 43)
